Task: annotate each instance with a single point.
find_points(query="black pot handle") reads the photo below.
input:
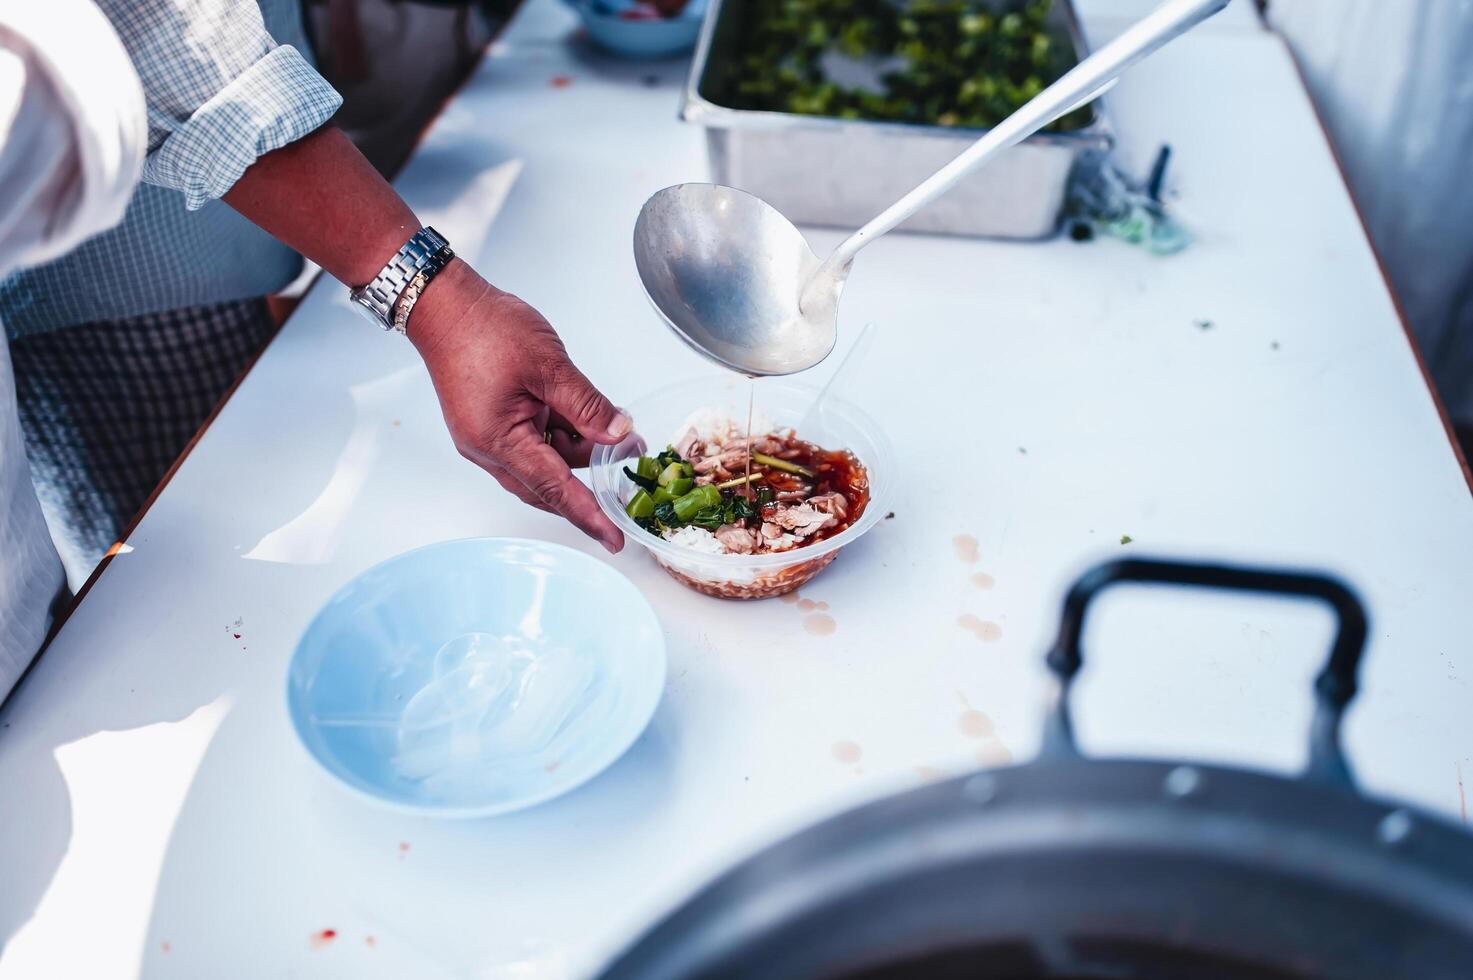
(1334, 687)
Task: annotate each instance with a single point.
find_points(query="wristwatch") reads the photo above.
(379, 298)
(417, 285)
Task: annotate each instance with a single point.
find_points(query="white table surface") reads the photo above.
(158, 818)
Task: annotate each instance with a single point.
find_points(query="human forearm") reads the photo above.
(323, 198)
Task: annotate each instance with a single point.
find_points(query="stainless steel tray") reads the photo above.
(819, 170)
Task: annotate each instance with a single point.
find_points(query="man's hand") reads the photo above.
(505, 384)
(503, 377)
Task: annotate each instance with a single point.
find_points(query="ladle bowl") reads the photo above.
(725, 270)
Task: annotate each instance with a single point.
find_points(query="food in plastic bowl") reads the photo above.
(683, 487)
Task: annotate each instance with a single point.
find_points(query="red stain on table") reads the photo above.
(370, 942)
(984, 630)
(820, 624)
(993, 753)
(974, 724)
(323, 938)
(403, 849)
(164, 946)
(560, 81)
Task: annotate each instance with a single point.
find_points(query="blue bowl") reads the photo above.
(373, 648)
(663, 38)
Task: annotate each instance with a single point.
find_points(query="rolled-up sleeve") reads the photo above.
(221, 92)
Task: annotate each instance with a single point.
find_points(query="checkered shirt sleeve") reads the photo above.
(221, 92)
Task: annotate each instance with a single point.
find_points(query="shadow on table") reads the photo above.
(313, 856)
(99, 708)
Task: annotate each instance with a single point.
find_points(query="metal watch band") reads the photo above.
(377, 299)
(417, 285)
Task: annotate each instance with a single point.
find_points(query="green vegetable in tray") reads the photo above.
(966, 63)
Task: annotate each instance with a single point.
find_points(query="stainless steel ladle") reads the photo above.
(737, 281)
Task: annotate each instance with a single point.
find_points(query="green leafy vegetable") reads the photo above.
(710, 519)
(640, 505)
(675, 471)
(669, 498)
(699, 499)
(731, 510)
(739, 509)
(966, 63)
(646, 473)
(644, 483)
(666, 458)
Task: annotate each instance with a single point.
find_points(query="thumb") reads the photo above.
(568, 393)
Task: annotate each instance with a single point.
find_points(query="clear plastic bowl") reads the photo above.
(657, 421)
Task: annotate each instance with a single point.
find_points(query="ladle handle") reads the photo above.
(1075, 88)
(1333, 687)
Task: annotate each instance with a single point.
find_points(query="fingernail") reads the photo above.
(619, 428)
